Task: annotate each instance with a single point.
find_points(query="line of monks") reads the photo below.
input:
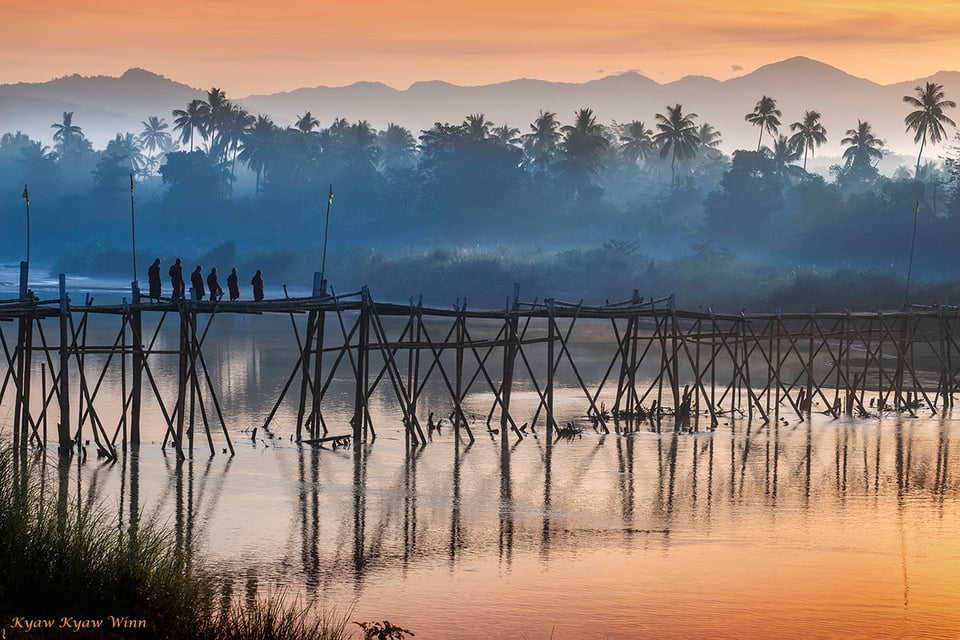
(178, 284)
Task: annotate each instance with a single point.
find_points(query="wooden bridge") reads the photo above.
(664, 367)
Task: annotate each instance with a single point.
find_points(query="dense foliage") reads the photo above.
(221, 183)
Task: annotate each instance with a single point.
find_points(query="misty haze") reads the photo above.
(618, 359)
(576, 191)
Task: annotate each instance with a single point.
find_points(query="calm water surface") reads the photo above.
(825, 529)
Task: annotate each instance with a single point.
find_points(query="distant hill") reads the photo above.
(104, 106)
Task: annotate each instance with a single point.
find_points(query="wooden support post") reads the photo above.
(192, 374)
(808, 399)
(622, 384)
(713, 367)
(305, 370)
(899, 401)
(360, 417)
(699, 381)
(745, 369)
(63, 430)
(460, 332)
(946, 347)
(24, 362)
(123, 374)
(182, 378)
(881, 398)
(318, 424)
(43, 392)
(413, 359)
(775, 329)
(675, 355)
(551, 363)
(136, 327)
(632, 344)
(511, 320)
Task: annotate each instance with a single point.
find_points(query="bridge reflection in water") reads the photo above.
(532, 437)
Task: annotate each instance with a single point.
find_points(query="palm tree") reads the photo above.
(359, 144)
(862, 147)
(783, 155)
(584, 142)
(154, 136)
(398, 149)
(333, 139)
(477, 127)
(259, 146)
(810, 133)
(35, 154)
(541, 143)
(234, 123)
(637, 142)
(66, 133)
(216, 114)
(709, 140)
(678, 137)
(766, 116)
(190, 120)
(125, 148)
(506, 134)
(306, 123)
(928, 119)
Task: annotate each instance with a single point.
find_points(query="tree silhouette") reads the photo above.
(709, 140)
(637, 142)
(65, 132)
(398, 149)
(783, 154)
(810, 133)
(583, 145)
(234, 123)
(678, 137)
(477, 127)
(541, 143)
(216, 114)
(155, 136)
(76, 156)
(37, 164)
(306, 123)
(862, 148)
(506, 135)
(766, 116)
(259, 146)
(121, 157)
(928, 119)
(359, 144)
(190, 121)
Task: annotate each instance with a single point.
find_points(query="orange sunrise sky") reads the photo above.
(255, 46)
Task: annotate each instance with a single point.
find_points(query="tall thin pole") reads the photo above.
(26, 199)
(326, 228)
(133, 232)
(913, 243)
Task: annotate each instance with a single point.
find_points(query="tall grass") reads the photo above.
(59, 561)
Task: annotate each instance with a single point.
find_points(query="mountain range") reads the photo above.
(104, 106)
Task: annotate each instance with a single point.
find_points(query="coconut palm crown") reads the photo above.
(928, 119)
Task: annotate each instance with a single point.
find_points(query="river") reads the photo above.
(819, 528)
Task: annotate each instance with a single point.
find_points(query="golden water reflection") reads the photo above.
(827, 528)
(830, 529)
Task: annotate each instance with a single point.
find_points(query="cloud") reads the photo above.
(736, 67)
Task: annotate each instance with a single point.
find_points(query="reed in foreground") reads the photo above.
(69, 569)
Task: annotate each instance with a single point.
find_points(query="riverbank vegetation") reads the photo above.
(469, 208)
(67, 571)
